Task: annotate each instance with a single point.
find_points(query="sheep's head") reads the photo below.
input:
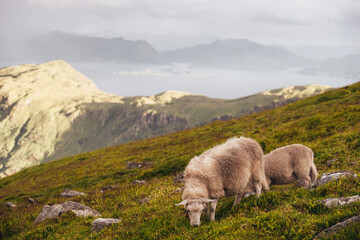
(194, 208)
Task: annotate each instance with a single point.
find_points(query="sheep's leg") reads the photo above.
(212, 210)
(237, 200)
(258, 189)
(207, 210)
(304, 180)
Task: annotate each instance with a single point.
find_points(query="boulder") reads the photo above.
(337, 227)
(133, 165)
(55, 211)
(328, 177)
(179, 178)
(330, 162)
(9, 204)
(138, 182)
(335, 202)
(100, 223)
(145, 200)
(67, 193)
(103, 189)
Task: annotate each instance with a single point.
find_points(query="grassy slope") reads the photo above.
(328, 123)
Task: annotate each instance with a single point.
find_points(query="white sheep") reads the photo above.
(289, 164)
(229, 169)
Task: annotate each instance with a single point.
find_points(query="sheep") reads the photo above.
(225, 170)
(289, 164)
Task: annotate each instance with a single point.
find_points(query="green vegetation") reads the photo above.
(328, 123)
(39, 126)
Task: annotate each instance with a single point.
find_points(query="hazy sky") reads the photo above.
(170, 24)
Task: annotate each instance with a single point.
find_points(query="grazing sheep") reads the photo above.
(289, 164)
(225, 170)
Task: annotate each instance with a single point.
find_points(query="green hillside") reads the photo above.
(328, 123)
(51, 111)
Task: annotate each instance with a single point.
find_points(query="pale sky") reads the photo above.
(169, 24)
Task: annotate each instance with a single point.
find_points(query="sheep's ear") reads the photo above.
(207, 200)
(182, 203)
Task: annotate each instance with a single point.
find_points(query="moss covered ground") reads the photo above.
(328, 123)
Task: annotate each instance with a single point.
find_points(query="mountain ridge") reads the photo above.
(238, 54)
(51, 111)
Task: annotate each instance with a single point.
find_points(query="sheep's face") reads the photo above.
(194, 208)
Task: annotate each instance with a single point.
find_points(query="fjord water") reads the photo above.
(147, 80)
(141, 80)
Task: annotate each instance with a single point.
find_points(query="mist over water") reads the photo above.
(146, 80)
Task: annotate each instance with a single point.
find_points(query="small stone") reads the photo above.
(145, 200)
(133, 165)
(330, 162)
(67, 193)
(179, 178)
(180, 189)
(138, 182)
(352, 163)
(31, 201)
(103, 189)
(55, 211)
(335, 202)
(339, 226)
(9, 204)
(100, 223)
(334, 176)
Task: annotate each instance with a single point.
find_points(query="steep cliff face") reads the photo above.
(38, 104)
(50, 111)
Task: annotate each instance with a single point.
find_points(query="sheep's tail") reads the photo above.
(313, 171)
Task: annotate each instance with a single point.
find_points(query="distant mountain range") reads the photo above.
(49, 111)
(347, 66)
(233, 53)
(74, 48)
(238, 54)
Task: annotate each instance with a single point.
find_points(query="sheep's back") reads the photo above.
(226, 167)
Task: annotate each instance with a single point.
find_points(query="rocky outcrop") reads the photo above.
(334, 176)
(67, 193)
(55, 211)
(100, 223)
(337, 227)
(337, 202)
(38, 103)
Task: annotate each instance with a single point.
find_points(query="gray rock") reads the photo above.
(328, 177)
(145, 200)
(339, 226)
(138, 182)
(31, 201)
(103, 189)
(67, 193)
(55, 211)
(9, 204)
(133, 165)
(330, 162)
(180, 189)
(179, 178)
(100, 223)
(336, 202)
